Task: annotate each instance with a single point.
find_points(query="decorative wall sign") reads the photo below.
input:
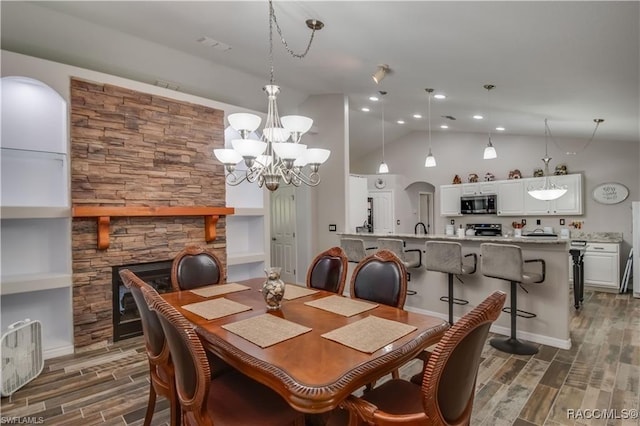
(610, 193)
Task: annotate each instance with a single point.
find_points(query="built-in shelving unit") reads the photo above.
(248, 245)
(36, 276)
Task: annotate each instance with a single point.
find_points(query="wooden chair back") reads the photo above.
(195, 267)
(328, 271)
(382, 278)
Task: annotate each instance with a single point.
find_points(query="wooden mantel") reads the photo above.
(104, 215)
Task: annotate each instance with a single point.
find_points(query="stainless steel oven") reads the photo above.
(478, 204)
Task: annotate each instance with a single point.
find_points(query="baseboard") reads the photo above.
(58, 351)
(498, 329)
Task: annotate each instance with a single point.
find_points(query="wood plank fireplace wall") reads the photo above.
(135, 149)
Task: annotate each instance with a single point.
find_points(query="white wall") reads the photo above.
(461, 153)
(330, 115)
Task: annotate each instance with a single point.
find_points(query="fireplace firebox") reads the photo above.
(126, 319)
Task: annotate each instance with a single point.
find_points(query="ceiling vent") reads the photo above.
(167, 84)
(218, 45)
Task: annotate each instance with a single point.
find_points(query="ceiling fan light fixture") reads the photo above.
(380, 73)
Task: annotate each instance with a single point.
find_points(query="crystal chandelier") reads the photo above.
(549, 190)
(278, 155)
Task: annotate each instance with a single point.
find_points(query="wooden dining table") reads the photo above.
(312, 373)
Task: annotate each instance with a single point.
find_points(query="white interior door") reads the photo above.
(383, 212)
(283, 232)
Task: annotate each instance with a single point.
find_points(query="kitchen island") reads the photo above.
(549, 300)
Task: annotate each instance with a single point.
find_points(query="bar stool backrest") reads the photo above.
(503, 261)
(354, 248)
(444, 256)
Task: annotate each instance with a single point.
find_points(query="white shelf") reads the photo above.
(15, 284)
(244, 258)
(34, 212)
(249, 211)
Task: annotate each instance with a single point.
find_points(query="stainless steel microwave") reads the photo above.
(478, 204)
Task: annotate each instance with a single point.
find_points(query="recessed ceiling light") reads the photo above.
(501, 129)
(439, 96)
(400, 121)
(478, 117)
(365, 109)
(444, 126)
(373, 98)
(417, 116)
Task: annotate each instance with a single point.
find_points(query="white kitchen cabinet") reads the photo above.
(602, 265)
(510, 195)
(571, 202)
(36, 272)
(514, 200)
(450, 200)
(480, 188)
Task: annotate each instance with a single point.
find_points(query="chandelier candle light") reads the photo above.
(430, 161)
(278, 155)
(549, 190)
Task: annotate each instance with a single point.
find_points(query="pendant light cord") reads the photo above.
(382, 105)
(598, 121)
(429, 120)
(316, 25)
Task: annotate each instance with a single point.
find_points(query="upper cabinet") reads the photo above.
(450, 200)
(480, 188)
(513, 198)
(510, 197)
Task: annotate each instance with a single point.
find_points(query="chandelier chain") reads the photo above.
(274, 20)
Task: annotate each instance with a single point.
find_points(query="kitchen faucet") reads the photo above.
(424, 228)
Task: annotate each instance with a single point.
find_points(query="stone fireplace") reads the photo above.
(132, 149)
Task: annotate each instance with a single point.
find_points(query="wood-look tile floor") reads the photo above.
(601, 371)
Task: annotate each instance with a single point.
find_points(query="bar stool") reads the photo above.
(355, 249)
(443, 256)
(411, 258)
(504, 261)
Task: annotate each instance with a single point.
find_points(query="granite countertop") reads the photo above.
(594, 237)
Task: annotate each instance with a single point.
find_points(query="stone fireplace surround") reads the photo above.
(131, 149)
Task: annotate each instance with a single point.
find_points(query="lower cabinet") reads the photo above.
(601, 266)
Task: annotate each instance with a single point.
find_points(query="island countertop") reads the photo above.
(594, 237)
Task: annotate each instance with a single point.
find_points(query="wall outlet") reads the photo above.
(562, 222)
(332, 228)
(453, 221)
(538, 221)
(523, 221)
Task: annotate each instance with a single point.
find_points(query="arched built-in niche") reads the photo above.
(36, 221)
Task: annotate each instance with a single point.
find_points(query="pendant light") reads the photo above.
(430, 161)
(549, 190)
(383, 168)
(489, 150)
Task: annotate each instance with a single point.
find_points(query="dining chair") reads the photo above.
(328, 271)
(161, 371)
(445, 395)
(195, 267)
(382, 278)
(231, 398)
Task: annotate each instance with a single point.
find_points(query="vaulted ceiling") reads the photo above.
(569, 62)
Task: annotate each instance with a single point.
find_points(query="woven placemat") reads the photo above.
(266, 330)
(218, 289)
(295, 291)
(369, 334)
(341, 305)
(216, 308)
